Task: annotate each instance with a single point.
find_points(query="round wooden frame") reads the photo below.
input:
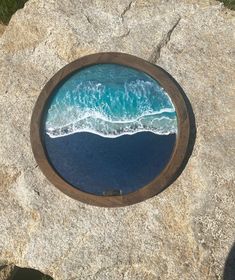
(169, 173)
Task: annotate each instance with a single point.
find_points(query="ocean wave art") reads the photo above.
(110, 100)
(109, 129)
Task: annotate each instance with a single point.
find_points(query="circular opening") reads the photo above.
(110, 129)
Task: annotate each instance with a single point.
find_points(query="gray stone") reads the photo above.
(186, 232)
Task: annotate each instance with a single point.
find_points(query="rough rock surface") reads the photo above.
(187, 231)
(2, 28)
(7, 272)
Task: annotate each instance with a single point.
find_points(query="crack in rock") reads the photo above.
(124, 34)
(87, 18)
(126, 9)
(83, 12)
(154, 57)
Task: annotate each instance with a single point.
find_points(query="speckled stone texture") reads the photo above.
(187, 231)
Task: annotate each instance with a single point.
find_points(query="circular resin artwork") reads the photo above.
(107, 129)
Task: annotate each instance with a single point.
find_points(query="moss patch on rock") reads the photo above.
(229, 3)
(8, 8)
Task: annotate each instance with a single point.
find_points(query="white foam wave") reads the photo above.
(111, 112)
(161, 125)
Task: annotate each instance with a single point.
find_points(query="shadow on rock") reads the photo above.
(229, 267)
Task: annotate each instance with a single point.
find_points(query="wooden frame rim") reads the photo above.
(168, 174)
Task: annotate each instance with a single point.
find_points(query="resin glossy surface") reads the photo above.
(109, 129)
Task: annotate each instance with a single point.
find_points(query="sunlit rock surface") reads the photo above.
(187, 231)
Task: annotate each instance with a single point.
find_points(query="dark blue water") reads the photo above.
(101, 165)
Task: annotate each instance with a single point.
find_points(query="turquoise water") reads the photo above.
(110, 100)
